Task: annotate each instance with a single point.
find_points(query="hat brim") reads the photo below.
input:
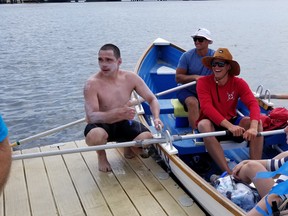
(235, 67)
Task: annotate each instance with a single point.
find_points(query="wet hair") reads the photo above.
(112, 47)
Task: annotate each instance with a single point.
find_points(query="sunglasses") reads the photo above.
(200, 39)
(220, 64)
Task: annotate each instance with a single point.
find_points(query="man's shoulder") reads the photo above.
(128, 74)
(93, 78)
(190, 52)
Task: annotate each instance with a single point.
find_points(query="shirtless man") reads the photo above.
(109, 111)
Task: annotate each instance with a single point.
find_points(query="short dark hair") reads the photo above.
(112, 47)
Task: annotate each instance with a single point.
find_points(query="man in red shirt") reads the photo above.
(218, 96)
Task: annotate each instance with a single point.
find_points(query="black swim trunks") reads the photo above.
(230, 136)
(120, 131)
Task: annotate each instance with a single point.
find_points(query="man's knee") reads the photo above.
(205, 125)
(192, 102)
(96, 136)
(144, 135)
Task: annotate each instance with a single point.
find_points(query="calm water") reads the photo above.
(47, 51)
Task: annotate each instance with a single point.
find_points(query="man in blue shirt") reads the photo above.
(190, 68)
(5, 154)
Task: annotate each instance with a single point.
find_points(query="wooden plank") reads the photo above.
(145, 203)
(88, 191)
(15, 192)
(168, 203)
(172, 187)
(41, 198)
(63, 189)
(112, 191)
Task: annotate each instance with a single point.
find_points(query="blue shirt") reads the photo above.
(3, 130)
(192, 62)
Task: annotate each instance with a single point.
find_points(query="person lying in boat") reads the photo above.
(109, 111)
(246, 171)
(5, 154)
(218, 95)
(190, 68)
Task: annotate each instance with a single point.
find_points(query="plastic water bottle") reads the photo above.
(214, 179)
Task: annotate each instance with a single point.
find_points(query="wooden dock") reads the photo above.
(71, 185)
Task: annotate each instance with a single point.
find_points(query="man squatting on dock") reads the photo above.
(109, 110)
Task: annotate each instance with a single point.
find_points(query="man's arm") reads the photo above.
(143, 90)
(5, 161)
(5, 154)
(182, 76)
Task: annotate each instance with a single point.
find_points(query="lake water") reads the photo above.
(47, 51)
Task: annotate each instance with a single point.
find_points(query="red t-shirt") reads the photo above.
(220, 102)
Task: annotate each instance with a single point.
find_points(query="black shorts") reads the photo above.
(234, 121)
(120, 131)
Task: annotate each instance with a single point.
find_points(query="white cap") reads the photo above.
(202, 32)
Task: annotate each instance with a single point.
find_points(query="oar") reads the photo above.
(175, 88)
(51, 131)
(275, 96)
(136, 143)
(46, 133)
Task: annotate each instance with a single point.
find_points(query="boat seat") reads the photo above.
(171, 106)
(181, 116)
(162, 70)
(179, 110)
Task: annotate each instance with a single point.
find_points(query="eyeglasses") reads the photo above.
(220, 64)
(200, 39)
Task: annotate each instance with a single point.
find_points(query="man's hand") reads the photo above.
(236, 130)
(158, 124)
(250, 134)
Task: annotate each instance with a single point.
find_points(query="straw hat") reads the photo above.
(223, 54)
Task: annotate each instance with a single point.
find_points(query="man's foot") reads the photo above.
(128, 153)
(103, 164)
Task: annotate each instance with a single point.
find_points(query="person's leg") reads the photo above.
(255, 145)
(281, 155)
(213, 145)
(192, 105)
(134, 130)
(5, 161)
(248, 172)
(130, 152)
(262, 205)
(98, 136)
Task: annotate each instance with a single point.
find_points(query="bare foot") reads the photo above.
(103, 164)
(128, 153)
(131, 152)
